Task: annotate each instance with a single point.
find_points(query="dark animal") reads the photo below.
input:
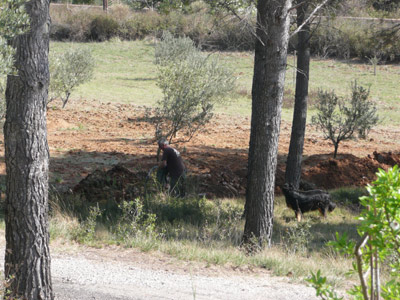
(304, 201)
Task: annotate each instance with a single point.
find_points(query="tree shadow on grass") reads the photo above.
(313, 232)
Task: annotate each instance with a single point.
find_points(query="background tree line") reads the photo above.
(216, 30)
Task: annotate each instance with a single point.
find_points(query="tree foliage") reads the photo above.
(13, 21)
(192, 83)
(341, 118)
(163, 6)
(379, 245)
(68, 71)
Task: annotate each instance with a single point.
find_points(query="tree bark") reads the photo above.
(293, 163)
(267, 93)
(27, 257)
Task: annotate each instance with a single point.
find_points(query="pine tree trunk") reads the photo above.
(293, 164)
(267, 94)
(27, 258)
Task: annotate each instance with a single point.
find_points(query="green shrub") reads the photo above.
(139, 26)
(133, 220)
(172, 49)
(296, 238)
(232, 35)
(80, 23)
(355, 38)
(85, 233)
(88, 2)
(348, 195)
(103, 28)
(60, 32)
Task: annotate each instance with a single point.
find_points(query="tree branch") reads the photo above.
(309, 18)
(358, 255)
(297, 5)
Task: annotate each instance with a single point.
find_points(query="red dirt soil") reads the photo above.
(89, 136)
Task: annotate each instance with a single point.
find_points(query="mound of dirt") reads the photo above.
(118, 184)
(387, 158)
(229, 180)
(350, 170)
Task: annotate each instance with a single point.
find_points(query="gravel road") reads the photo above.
(112, 273)
(92, 274)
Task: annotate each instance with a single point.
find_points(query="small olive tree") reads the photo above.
(341, 119)
(192, 83)
(68, 71)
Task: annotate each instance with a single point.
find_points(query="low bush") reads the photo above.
(232, 35)
(348, 196)
(103, 28)
(356, 38)
(138, 26)
(60, 32)
(79, 23)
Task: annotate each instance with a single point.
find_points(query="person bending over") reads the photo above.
(172, 164)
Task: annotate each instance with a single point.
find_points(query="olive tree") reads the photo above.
(67, 71)
(341, 118)
(192, 84)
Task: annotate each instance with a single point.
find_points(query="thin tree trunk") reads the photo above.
(293, 163)
(336, 150)
(267, 94)
(27, 257)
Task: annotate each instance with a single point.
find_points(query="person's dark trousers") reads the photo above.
(177, 185)
(162, 176)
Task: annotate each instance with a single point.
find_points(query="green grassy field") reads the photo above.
(125, 73)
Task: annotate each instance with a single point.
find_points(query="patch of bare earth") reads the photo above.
(89, 136)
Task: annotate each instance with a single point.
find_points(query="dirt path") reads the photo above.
(126, 274)
(113, 273)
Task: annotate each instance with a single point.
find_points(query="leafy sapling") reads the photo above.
(379, 243)
(192, 84)
(341, 119)
(68, 71)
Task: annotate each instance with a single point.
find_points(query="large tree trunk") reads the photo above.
(267, 93)
(293, 164)
(27, 257)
